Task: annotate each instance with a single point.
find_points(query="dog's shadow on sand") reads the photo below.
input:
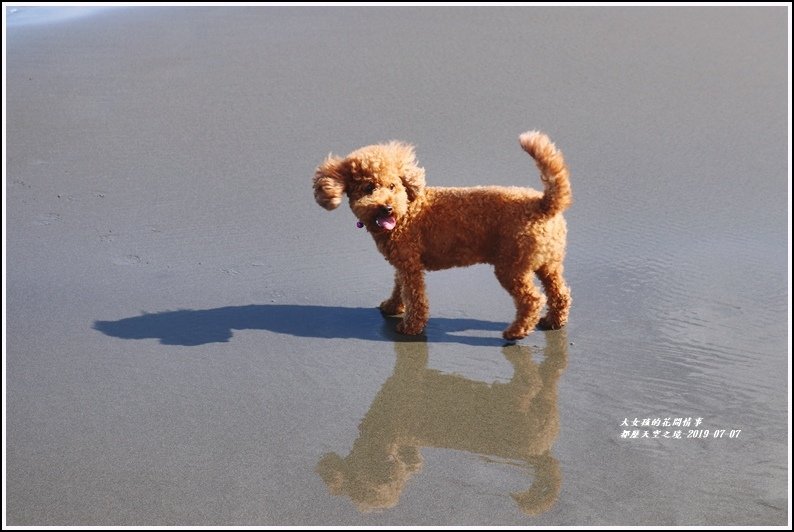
(198, 327)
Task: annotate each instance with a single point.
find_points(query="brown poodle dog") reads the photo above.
(519, 230)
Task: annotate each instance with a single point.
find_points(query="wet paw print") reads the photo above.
(47, 219)
(130, 260)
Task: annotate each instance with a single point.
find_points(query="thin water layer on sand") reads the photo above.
(191, 340)
(32, 15)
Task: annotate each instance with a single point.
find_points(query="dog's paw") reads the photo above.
(548, 323)
(410, 329)
(391, 308)
(514, 332)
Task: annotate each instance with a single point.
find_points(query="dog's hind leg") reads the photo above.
(528, 299)
(559, 295)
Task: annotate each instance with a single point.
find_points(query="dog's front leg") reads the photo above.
(412, 283)
(394, 305)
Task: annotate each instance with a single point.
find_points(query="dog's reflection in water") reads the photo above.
(421, 407)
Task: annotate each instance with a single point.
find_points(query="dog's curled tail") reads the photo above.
(553, 171)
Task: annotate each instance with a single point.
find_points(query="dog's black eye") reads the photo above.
(369, 189)
(391, 187)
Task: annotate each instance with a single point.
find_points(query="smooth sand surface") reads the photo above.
(191, 340)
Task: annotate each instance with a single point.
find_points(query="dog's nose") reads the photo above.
(387, 209)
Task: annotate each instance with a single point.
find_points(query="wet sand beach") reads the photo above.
(192, 340)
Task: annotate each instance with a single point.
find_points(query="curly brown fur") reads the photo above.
(519, 231)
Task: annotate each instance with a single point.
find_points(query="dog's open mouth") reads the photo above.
(386, 222)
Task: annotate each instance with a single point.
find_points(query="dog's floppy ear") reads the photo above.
(329, 183)
(414, 181)
(411, 174)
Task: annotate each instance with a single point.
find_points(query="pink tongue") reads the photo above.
(387, 222)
